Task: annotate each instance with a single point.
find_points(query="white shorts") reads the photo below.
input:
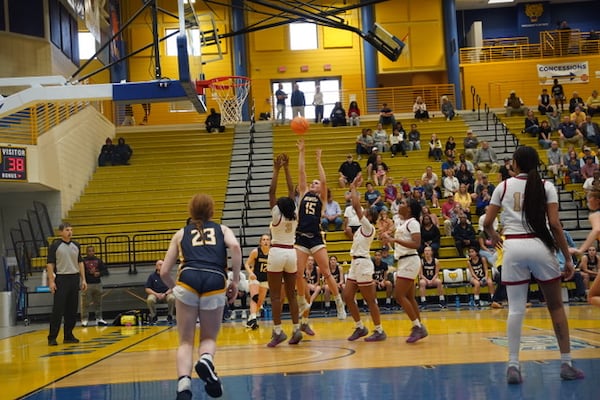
(526, 257)
(361, 271)
(282, 260)
(209, 302)
(408, 267)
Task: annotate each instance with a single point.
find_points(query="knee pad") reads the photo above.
(255, 298)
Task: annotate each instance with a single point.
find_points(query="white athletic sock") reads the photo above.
(517, 298)
(338, 299)
(388, 301)
(359, 324)
(277, 329)
(327, 304)
(442, 298)
(184, 383)
(304, 320)
(207, 356)
(379, 328)
(296, 327)
(251, 317)
(416, 323)
(423, 299)
(565, 358)
(476, 297)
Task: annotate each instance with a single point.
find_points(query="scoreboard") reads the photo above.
(13, 164)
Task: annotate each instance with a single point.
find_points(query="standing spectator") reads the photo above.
(470, 144)
(332, 214)
(569, 133)
(420, 109)
(514, 104)
(532, 125)
(298, 102)
(159, 292)
(544, 105)
(106, 153)
(338, 115)
(435, 148)
(386, 115)
(200, 290)
(593, 104)
(486, 159)
(354, 114)
(319, 104)
(122, 153)
(448, 108)
(464, 235)
(281, 96)
(364, 143)
(554, 119)
(414, 138)
(380, 137)
(429, 277)
(147, 107)
(555, 159)
(94, 270)
(564, 38)
(128, 119)
(575, 101)
(66, 275)
(559, 95)
(544, 135)
(348, 170)
(213, 122)
(590, 130)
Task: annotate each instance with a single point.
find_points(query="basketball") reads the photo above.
(299, 125)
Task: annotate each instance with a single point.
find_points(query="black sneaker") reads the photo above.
(170, 319)
(442, 303)
(252, 324)
(71, 340)
(206, 371)
(52, 342)
(184, 395)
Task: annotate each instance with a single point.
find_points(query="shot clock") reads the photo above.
(13, 164)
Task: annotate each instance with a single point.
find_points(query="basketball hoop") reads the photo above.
(230, 92)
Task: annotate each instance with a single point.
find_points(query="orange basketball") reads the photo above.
(299, 125)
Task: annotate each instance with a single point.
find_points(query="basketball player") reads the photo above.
(200, 290)
(479, 274)
(429, 277)
(360, 275)
(256, 265)
(530, 206)
(308, 234)
(589, 266)
(281, 263)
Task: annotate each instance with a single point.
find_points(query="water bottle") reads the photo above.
(471, 301)
(44, 278)
(457, 301)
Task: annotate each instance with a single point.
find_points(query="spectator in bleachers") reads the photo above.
(593, 104)
(463, 197)
(586, 151)
(338, 115)
(544, 105)
(589, 167)
(482, 201)
(420, 109)
(486, 248)
(555, 159)
(431, 186)
(354, 114)
(430, 236)
(158, 292)
(435, 148)
(434, 218)
(106, 153)
(450, 148)
(486, 159)
(429, 277)
(506, 170)
(590, 130)
(395, 205)
(380, 137)
(384, 226)
(397, 142)
(405, 187)
(544, 135)
(381, 277)
(414, 138)
(213, 122)
(554, 119)
(479, 275)
(449, 164)
(332, 215)
(374, 199)
(589, 266)
(122, 153)
(351, 222)
(484, 184)
(371, 161)
(559, 95)
(379, 170)
(463, 160)
(580, 289)
(578, 116)
(449, 214)
(450, 183)
(338, 275)
(575, 101)
(592, 182)
(390, 191)
(348, 170)
(364, 143)
(514, 104)
(386, 116)
(532, 125)
(447, 108)
(464, 176)
(470, 143)
(573, 168)
(464, 235)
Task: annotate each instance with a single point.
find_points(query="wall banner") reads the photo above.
(575, 72)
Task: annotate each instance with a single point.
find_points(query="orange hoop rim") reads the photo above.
(238, 81)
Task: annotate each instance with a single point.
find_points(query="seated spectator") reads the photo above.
(122, 153)
(479, 275)
(332, 215)
(514, 104)
(405, 187)
(447, 109)
(338, 115)
(470, 144)
(158, 292)
(414, 138)
(590, 130)
(555, 159)
(430, 184)
(338, 276)
(486, 159)
(106, 153)
(386, 116)
(348, 170)
(380, 137)
(450, 184)
(374, 199)
(395, 205)
(482, 201)
(418, 196)
(463, 160)
(593, 104)
(544, 106)
(354, 114)
(544, 135)
(434, 218)
(486, 248)
(506, 170)
(573, 168)
(575, 101)
(390, 191)
(449, 214)
(397, 143)
(532, 125)
(435, 148)
(430, 235)
(429, 277)
(593, 182)
(464, 235)
(589, 167)
(384, 226)
(569, 133)
(589, 266)
(484, 184)
(578, 116)
(377, 169)
(213, 122)
(450, 147)
(382, 275)
(586, 151)
(420, 109)
(554, 119)
(449, 164)
(364, 143)
(463, 197)
(465, 177)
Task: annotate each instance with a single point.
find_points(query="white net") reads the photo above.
(230, 93)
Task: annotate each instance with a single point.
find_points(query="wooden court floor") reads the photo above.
(463, 358)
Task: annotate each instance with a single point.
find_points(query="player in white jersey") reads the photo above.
(360, 276)
(532, 233)
(407, 240)
(281, 263)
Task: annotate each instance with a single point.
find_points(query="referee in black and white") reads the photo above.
(66, 275)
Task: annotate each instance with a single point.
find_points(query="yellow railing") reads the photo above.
(401, 98)
(519, 40)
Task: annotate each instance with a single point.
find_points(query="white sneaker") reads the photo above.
(102, 322)
(341, 310)
(84, 322)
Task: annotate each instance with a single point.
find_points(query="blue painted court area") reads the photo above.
(462, 381)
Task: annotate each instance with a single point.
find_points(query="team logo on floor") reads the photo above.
(542, 342)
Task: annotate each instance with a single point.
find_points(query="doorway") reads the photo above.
(330, 87)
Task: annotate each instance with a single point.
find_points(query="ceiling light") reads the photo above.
(500, 1)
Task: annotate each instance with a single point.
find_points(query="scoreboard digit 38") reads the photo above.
(13, 164)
